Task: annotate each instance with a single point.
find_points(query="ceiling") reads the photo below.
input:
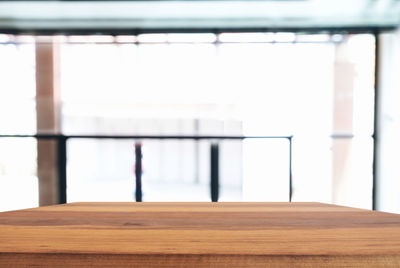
(196, 15)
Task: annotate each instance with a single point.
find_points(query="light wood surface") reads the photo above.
(198, 235)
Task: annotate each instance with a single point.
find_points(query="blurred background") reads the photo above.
(199, 101)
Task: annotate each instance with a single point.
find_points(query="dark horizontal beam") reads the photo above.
(157, 137)
(342, 136)
(216, 30)
(174, 42)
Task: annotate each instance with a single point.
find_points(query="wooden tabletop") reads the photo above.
(198, 235)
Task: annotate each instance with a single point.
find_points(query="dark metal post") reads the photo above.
(376, 122)
(138, 171)
(290, 170)
(197, 152)
(62, 169)
(214, 172)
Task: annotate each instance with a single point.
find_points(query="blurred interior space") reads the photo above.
(277, 113)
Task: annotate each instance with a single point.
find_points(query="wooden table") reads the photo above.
(198, 235)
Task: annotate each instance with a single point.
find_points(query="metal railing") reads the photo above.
(214, 156)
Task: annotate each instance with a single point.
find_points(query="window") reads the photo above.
(317, 87)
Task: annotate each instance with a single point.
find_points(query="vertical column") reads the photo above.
(377, 125)
(197, 151)
(62, 169)
(48, 118)
(290, 139)
(138, 171)
(344, 72)
(214, 172)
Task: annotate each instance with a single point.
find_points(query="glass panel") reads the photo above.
(182, 85)
(18, 179)
(278, 87)
(176, 171)
(231, 157)
(266, 88)
(352, 176)
(17, 88)
(312, 168)
(103, 170)
(100, 170)
(388, 172)
(266, 170)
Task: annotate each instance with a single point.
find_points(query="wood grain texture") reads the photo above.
(198, 235)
